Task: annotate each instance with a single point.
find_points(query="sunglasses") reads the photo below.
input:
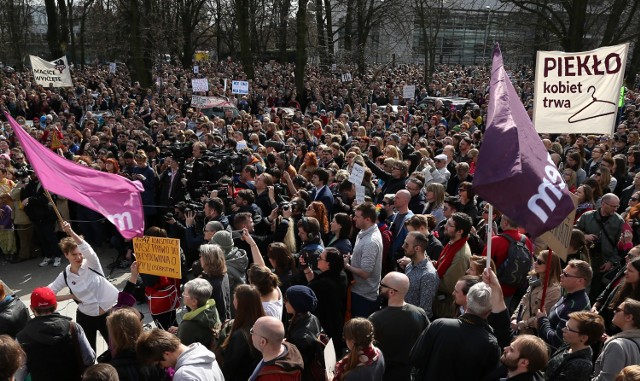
(634, 199)
(598, 173)
(567, 275)
(540, 262)
(385, 286)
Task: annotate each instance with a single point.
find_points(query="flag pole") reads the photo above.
(55, 208)
(489, 235)
(546, 279)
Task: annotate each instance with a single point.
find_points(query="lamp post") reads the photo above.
(486, 32)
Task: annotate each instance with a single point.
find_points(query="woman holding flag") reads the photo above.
(87, 284)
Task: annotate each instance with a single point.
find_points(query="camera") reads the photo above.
(285, 206)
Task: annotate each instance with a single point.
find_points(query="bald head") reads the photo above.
(271, 329)
(402, 198)
(397, 281)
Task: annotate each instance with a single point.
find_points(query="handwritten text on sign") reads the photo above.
(158, 256)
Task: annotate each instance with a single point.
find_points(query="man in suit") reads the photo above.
(322, 192)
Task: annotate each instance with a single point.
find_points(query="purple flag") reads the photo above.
(514, 171)
(113, 196)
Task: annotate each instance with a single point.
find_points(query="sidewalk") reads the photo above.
(23, 277)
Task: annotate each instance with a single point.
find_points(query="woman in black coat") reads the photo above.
(330, 287)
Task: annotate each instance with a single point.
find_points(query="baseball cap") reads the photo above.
(43, 297)
(441, 157)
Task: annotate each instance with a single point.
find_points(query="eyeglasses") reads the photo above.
(566, 327)
(257, 334)
(385, 286)
(540, 262)
(598, 173)
(567, 275)
(618, 309)
(634, 199)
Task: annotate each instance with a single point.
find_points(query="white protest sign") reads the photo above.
(225, 85)
(578, 92)
(239, 87)
(200, 84)
(346, 77)
(330, 359)
(359, 194)
(409, 91)
(334, 67)
(357, 174)
(196, 69)
(112, 67)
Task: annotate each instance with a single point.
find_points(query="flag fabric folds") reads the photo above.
(515, 172)
(113, 196)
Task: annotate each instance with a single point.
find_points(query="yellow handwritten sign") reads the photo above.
(158, 256)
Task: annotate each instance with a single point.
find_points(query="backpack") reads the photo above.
(515, 268)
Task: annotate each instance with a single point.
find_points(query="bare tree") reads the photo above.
(576, 24)
(301, 51)
(57, 27)
(15, 22)
(242, 17)
(195, 25)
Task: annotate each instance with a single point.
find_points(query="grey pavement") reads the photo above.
(25, 276)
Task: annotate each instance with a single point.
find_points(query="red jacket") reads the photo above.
(287, 367)
(500, 250)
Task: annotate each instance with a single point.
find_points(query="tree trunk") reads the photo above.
(73, 35)
(64, 27)
(242, 18)
(52, 29)
(329, 26)
(301, 52)
(574, 41)
(254, 39)
(322, 44)
(634, 65)
(285, 6)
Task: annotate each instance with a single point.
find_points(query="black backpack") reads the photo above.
(514, 269)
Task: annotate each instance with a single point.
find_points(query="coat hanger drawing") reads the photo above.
(585, 115)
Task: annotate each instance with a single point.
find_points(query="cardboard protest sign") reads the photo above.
(559, 238)
(200, 84)
(239, 87)
(158, 256)
(409, 91)
(578, 92)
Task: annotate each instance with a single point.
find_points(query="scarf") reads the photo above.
(447, 255)
(366, 357)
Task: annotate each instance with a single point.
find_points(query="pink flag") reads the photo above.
(113, 196)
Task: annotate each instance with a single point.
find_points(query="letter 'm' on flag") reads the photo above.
(56, 73)
(113, 196)
(515, 172)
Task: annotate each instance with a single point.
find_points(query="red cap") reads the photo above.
(43, 297)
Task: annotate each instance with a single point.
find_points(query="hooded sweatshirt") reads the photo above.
(196, 325)
(197, 363)
(47, 341)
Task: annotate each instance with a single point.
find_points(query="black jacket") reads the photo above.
(14, 315)
(129, 369)
(439, 350)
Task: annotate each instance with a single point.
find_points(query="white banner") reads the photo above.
(346, 77)
(56, 73)
(579, 92)
(209, 102)
(200, 84)
(112, 67)
(239, 87)
(409, 91)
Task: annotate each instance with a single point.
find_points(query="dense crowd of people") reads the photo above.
(350, 217)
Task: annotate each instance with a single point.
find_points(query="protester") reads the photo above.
(13, 313)
(87, 285)
(56, 347)
(190, 362)
(280, 359)
(364, 360)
